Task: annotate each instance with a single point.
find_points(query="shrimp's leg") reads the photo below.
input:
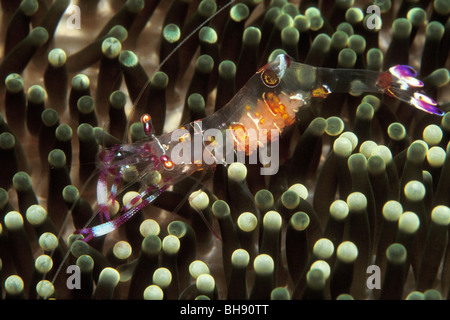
(102, 184)
(130, 211)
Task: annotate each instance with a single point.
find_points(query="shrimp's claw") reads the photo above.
(405, 86)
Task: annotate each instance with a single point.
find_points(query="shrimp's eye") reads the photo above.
(270, 78)
(146, 121)
(168, 165)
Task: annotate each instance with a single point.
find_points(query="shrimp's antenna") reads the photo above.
(138, 98)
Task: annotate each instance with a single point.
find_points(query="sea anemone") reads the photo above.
(359, 208)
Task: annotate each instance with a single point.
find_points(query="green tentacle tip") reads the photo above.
(7, 141)
(13, 221)
(122, 250)
(438, 78)
(160, 80)
(48, 241)
(204, 63)
(85, 263)
(339, 210)
(237, 171)
(111, 47)
(290, 199)
(280, 293)
(299, 221)
(227, 69)
(365, 111)
(396, 131)
(151, 244)
(149, 227)
(199, 200)
(441, 215)
(396, 253)
(354, 15)
(110, 276)
(205, 284)
(302, 23)
(339, 40)
(240, 258)
(272, 221)
(14, 285)
(49, 117)
(263, 264)
(239, 12)
(435, 30)
(335, 126)
(29, 7)
(442, 7)
(85, 132)
(57, 57)
(118, 99)
(415, 295)
(86, 104)
(409, 222)
(402, 27)
(207, 8)
(315, 279)
(251, 36)
(323, 248)
(220, 209)
(3, 198)
(135, 5)
(315, 18)
(347, 252)
(347, 58)
(80, 82)
(128, 58)
(417, 151)
(57, 158)
(196, 103)
(153, 292)
(264, 199)
(43, 263)
(357, 202)
(63, 132)
(172, 33)
(162, 277)
(417, 16)
(247, 222)
(177, 228)
(38, 36)
(118, 32)
(36, 215)
(14, 83)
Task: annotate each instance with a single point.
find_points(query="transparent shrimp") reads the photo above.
(267, 103)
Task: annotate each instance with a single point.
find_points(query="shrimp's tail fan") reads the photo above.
(401, 82)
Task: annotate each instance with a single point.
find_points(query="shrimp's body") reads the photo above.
(267, 103)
